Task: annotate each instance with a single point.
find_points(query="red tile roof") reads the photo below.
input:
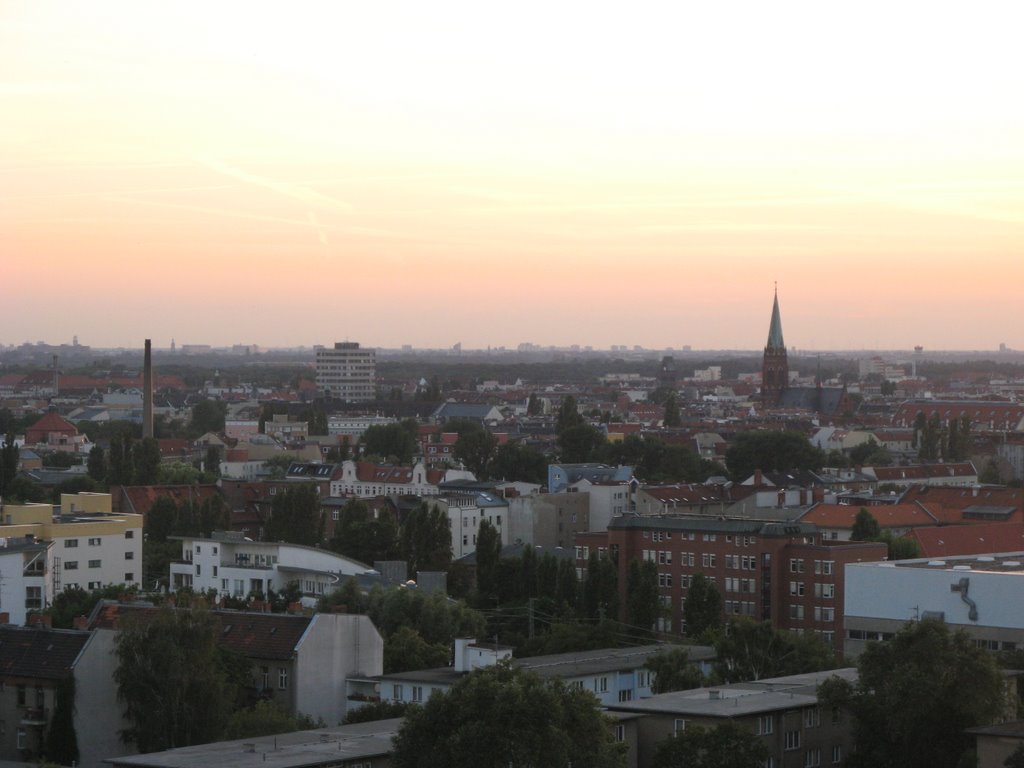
(977, 539)
(39, 653)
(49, 423)
(138, 499)
(924, 471)
(887, 515)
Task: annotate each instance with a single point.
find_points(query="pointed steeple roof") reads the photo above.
(775, 329)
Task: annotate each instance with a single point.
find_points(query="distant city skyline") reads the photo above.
(560, 174)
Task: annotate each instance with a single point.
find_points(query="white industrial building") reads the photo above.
(982, 594)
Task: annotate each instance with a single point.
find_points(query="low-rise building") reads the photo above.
(25, 577)
(232, 565)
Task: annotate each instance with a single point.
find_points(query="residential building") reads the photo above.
(769, 571)
(346, 372)
(353, 427)
(365, 479)
(981, 594)
(613, 675)
(232, 565)
(783, 712)
(562, 476)
(548, 519)
(466, 512)
(299, 662)
(93, 547)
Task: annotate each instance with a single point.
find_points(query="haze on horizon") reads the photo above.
(555, 173)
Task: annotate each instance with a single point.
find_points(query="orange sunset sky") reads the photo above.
(491, 173)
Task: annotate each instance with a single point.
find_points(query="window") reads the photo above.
(664, 579)
(95, 585)
(264, 678)
(796, 588)
(626, 694)
(812, 717)
(678, 726)
(827, 615)
(129, 534)
(70, 565)
(765, 725)
(129, 577)
(796, 612)
(94, 542)
(827, 591)
(95, 563)
(603, 685)
(70, 543)
(812, 758)
(827, 567)
(417, 693)
(396, 692)
(837, 754)
(21, 696)
(282, 678)
(792, 740)
(620, 733)
(129, 555)
(796, 565)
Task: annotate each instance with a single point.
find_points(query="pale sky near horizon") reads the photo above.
(559, 172)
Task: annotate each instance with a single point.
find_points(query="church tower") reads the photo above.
(775, 365)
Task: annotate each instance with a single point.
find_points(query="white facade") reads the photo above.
(347, 372)
(92, 557)
(983, 595)
(386, 480)
(232, 565)
(466, 513)
(24, 578)
(354, 426)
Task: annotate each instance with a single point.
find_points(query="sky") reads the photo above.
(561, 173)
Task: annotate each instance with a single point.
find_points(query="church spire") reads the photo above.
(775, 329)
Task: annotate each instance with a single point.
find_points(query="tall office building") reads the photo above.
(346, 372)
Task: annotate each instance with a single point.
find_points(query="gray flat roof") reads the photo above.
(739, 699)
(323, 746)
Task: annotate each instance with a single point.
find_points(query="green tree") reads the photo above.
(146, 462)
(488, 554)
(407, 650)
(865, 527)
(771, 452)
(477, 451)
(426, 540)
(534, 406)
(673, 671)
(727, 745)
(579, 443)
(295, 516)
(643, 606)
(915, 697)
(965, 441)
(362, 536)
(502, 716)
(264, 718)
(61, 744)
(990, 474)
(97, 464)
(859, 454)
(750, 650)
(170, 679)
(671, 416)
(568, 414)
(378, 710)
(1016, 758)
(515, 461)
(390, 442)
(900, 547)
(601, 588)
(702, 609)
(73, 601)
(208, 416)
(9, 462)
(121, 470)
(931, 439)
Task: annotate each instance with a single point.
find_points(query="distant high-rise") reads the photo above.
(147, 391)
(775, 363)
(346, 372)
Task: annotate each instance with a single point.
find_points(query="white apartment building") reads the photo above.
(465, 514)
(233, 565)
(346, 372)
(92, 547)
(366, 480)
(341, 425)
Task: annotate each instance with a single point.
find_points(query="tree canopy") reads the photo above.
(750, 650)
(171, 679)
(295, 516)
(916, 695)
(771, 452)
(501, 716)
(702, 609)
(673, 670)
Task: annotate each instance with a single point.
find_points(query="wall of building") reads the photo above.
(98, 717)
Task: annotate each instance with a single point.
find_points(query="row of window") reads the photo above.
(797, 589)
(825, 615)
(95, 541)
(821, 567)
(34, 595)
(72, 565)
